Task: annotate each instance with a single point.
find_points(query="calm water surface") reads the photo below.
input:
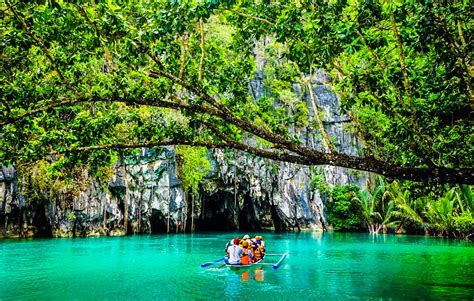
(332, 267)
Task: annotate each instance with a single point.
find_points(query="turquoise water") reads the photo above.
(331, 266)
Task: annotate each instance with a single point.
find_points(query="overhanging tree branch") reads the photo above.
(283, 156)
(435, 175)
(227, 115)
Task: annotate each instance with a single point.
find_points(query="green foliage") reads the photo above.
(71, 216)
(56, 50)
(412, 118)
(79, 76)
(343, 212)
(440, 213)
(399, 207)
(375, 209)
(192, 166)
(451, 214)
(464, 224)
(318, 182)
(407, 210)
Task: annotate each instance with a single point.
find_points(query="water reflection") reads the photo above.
(258, 275)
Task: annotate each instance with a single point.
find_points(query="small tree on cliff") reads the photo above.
(192, 167)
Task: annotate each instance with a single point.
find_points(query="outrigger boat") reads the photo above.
(258, 263)
(239, 266)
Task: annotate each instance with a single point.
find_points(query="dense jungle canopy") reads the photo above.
(84, 81)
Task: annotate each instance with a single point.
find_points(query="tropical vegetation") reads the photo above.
(402, 208)
(86, 83)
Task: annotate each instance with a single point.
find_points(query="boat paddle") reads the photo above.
(276, 265)
(212, 262)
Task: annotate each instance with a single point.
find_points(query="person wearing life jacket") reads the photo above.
(258, 251)
(247, 239)
(260, 245)
(234, 252)
(260, 241)
(247, 256)
(231, 242)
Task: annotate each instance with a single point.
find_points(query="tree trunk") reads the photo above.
(326, 139)
(104, 213)
(192, 212)
(185, 212)
(168, 219)
(177, 221)
(378, 227)
(399, 227)
(127, 195)
(371, 228)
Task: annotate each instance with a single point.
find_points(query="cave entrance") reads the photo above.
(158, 222)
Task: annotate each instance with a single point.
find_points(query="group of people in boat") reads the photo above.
(245, 250)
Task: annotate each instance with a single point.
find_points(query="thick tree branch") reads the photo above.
(227, 115)
(65, 102)
(439, 174)
(460, 33)
(133, 101)
(435, 175)
(285, 157)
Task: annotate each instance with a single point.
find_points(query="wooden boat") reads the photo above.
(260, 263)
(254, 264)
(239, 266)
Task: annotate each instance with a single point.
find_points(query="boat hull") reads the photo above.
(243, 266)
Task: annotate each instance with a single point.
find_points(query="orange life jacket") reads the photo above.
(258, 253)
(245, 258)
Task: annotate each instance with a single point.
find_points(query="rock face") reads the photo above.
(240, 192)
(276, 195)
